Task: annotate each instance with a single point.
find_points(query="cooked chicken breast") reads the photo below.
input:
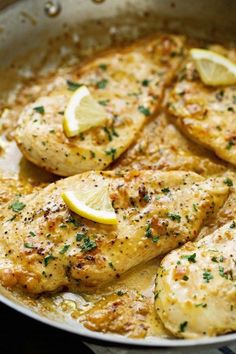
(45, 247)
(205, 114)
(127, 82)
(161, 146)
(196, 286)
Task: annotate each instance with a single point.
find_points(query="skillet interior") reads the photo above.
(112, 21)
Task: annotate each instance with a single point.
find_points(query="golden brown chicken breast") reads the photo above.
(127, 82)
(44, 246)
(205, 114)
(195, 292)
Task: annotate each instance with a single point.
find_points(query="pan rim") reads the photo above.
(151, 342)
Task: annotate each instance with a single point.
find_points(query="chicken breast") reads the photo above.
(127, 82)
(45, 247)
(196, 286)
(161, 146)
(205, 114)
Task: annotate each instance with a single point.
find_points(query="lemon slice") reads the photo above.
(82, 113)
(214, 69)
(93, 203)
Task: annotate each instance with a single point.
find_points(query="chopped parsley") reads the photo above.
(112, 153)
(230, 144)
(195, 207)
(120, 293)
(73, 86)
(111, 265)
(155, 239)
(222, 272)
(28, 245)
(145, 82)
(73, 221)
(201, 305)
(39, 109)
(104, 102)
(233, 225)
(32, 234)
(146, 198)
(47, 259)
(110, 133)
(191, 258)
(79, 237)
(17, 206)
(92, 153)
(207, 276)
(64, 249)
(148, 232)
(174, 217)
(157, 294)
(102, 83)
(144, 110)
(166, 190)
(103, 67)
(88, 244)
(228, 182)
(182, 326)
(185, 278)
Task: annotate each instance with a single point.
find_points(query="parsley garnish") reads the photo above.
(144, 110)
(174, 217)
(207, 276)
(191, 258)
(64, 249)
(233, 225)
(120, 293)
(47, 259)
(155, 239)
(148, 232)
(104, 102)
(185, 278)
(39, 109)
(32, 234)
(183, 326)
(201, 305)
(111, 153)
(73, 86)
(28, 245)
(102, 84)
(79, 237)
(228, 182)
(146, 198)
(145, 82)
(195, 207)
(230, 144)
(166, 190)
(17, 206)
(111, 265)
(88, 244)
(103, 67)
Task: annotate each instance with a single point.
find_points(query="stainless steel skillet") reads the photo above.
(29, 24)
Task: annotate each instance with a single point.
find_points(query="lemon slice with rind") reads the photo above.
(214, 69)
(82, 113)
(93, 203)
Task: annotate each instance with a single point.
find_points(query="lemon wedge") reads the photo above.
(93, 203)
(82, 113)
(214, 69)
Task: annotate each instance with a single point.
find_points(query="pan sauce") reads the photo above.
(133, 292)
